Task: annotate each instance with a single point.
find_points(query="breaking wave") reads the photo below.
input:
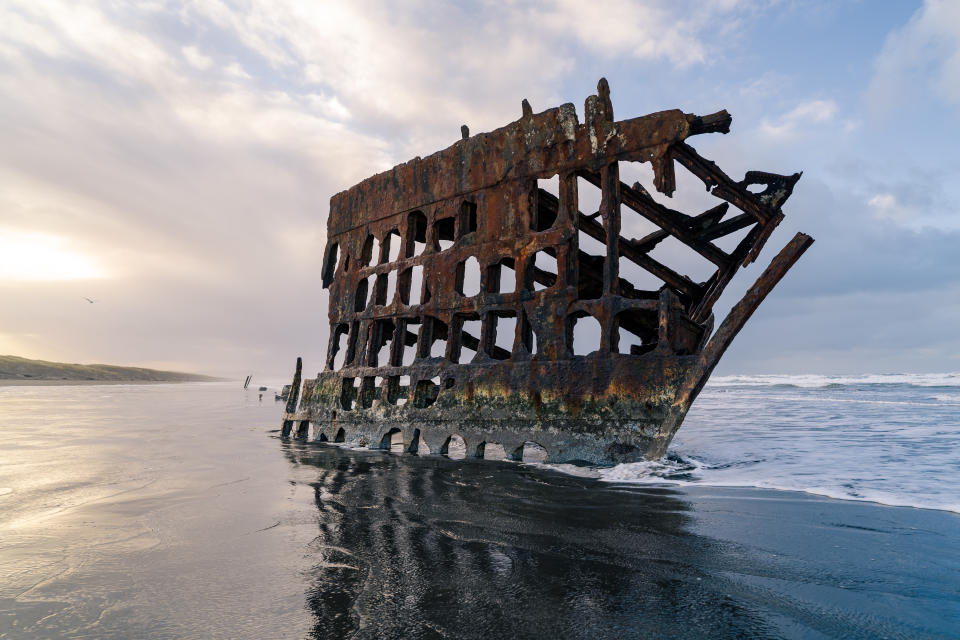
(677, 470)
(889, 439)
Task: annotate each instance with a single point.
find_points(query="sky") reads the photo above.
(174, 161)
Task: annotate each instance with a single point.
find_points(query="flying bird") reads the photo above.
(89, 300)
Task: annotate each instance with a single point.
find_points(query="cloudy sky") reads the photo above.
(174, 160)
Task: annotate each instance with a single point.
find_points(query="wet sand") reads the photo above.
(433, 548)
(172, 511)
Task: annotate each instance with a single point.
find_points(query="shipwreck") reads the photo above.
(458, 283)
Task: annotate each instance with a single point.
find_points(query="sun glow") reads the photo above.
(30, 257)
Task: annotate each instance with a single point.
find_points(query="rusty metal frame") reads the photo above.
(479, 200)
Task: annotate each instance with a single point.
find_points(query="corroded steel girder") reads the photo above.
(457, 282)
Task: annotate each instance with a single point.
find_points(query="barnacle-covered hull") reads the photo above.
(425, 358)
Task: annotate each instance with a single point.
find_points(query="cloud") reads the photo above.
(394, 66)
(236, 70)
(640, 30)
(196, 59)
(916, 196)
(919, 59)
(805, 113)
(82, 31)
(426, 68)
(885, 205)
(765, 86)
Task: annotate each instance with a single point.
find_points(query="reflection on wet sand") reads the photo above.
(427, 547)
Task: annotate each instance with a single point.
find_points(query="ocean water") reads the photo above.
(892, 439)
(176, 511)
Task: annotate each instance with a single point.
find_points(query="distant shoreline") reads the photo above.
(28, 382)
(15, 370)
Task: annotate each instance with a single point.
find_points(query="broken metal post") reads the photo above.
(742, 311)
(292, 400)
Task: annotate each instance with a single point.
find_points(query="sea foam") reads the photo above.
(878, 438)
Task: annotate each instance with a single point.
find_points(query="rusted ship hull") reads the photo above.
(403, 369)
(501, 405)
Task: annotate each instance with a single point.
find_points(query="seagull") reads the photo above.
(89, 300)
